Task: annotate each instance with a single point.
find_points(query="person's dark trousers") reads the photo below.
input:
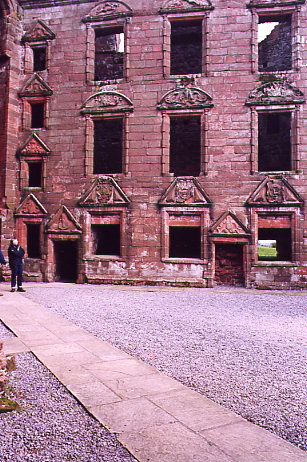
(16, 274)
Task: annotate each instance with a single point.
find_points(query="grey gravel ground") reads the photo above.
(51, 425)
(243, 350)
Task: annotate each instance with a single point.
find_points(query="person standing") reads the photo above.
(16, 254)
(2, 262)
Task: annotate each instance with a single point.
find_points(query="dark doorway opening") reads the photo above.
(66, 261)
(229, 264)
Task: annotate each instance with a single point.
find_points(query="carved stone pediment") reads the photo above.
(184, 191)
(107, 101)
(179, 6)
(228, 224)
(31, 206)
(36, 86)
(272, 3)
(38, 32)
(276, 92)
(63, 222)
(185, 97)
(34, 146)
(104, 192)
(108, 10)
(274, 191)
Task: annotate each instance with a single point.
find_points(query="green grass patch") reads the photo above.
(269, 252)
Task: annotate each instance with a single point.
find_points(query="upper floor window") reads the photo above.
(186, 47)
(39, 58)
(185, 145)
(109, 53)
(108, 145)
(275, 43)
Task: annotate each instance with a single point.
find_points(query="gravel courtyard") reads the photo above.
(244, 350)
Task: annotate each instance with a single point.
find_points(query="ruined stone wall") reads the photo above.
(226, 177)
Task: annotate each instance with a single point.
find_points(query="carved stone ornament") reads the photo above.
(272, 3)
(229, 224)
(63, 222)
(104, 192)
(184, 191)
(185, 98)
(274, 191)
(277, 92)
(31, 206)
(107, 101)
(34, 146)
(36, 86)
(38, 32)
(174, 6)
(107, 10)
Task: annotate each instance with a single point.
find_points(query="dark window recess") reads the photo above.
(106, 239)
(109, 54)
(274, 244)
(35, 174)
(37, 115)
(275, 43)
(186, 47)
(33, 241)
(108, 145)
(274, 141)
(185, 145)
(184, 242)
(39, 59)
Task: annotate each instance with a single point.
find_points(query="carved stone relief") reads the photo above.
(185, 98)
(36, 86)
(228, 223)
(108, 9)
(275, 92)
(63, 222)
(34, 145)
(107, 101)
(40, 31)
(186, 5)
(31, 206)
(104, 191)
(184, 191)
(275, 191)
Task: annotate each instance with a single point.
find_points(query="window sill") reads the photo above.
(184, 261)
(103, 258)
(106, 82)
(274, 263)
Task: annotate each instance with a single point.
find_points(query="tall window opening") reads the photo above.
(109, 54)
(274, 238)
(108, 145)
(274, 141)
(35, 174)
(186, 47)
(39, 58)
(185, 145)
(106, 239)
(274, 43)
(33, 240)
(37, 115)
(185, 242)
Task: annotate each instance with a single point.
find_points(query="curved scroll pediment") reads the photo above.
(107, 10)
(185, 98)
(272, 3)
(107, 101)
(276, 92)
(174, 6)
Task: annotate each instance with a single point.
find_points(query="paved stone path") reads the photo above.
(155, 417)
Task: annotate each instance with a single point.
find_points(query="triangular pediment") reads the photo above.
(229, 224)
(185, 97)
(31, 206)
(185, 191)
(108, 10)
(36, 86)
(107, 101)
(276, 92)
(275, 191)
(63, 222)
(180, 6)
(38, 32)
(34, 146)
(104, 192)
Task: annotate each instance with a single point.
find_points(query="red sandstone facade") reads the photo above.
(147, 162)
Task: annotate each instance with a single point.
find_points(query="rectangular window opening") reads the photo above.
(185, 145)
(37, 115)
(33, 241)
(274, 244)
(185, 242)
(274, 43)
(109, 54)
(186, 47)
(39, 58)
(274, 141)
(106, 239)
(108, 145)
(35, 174)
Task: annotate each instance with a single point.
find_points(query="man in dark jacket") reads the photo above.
(15, 254)
(2, 262)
